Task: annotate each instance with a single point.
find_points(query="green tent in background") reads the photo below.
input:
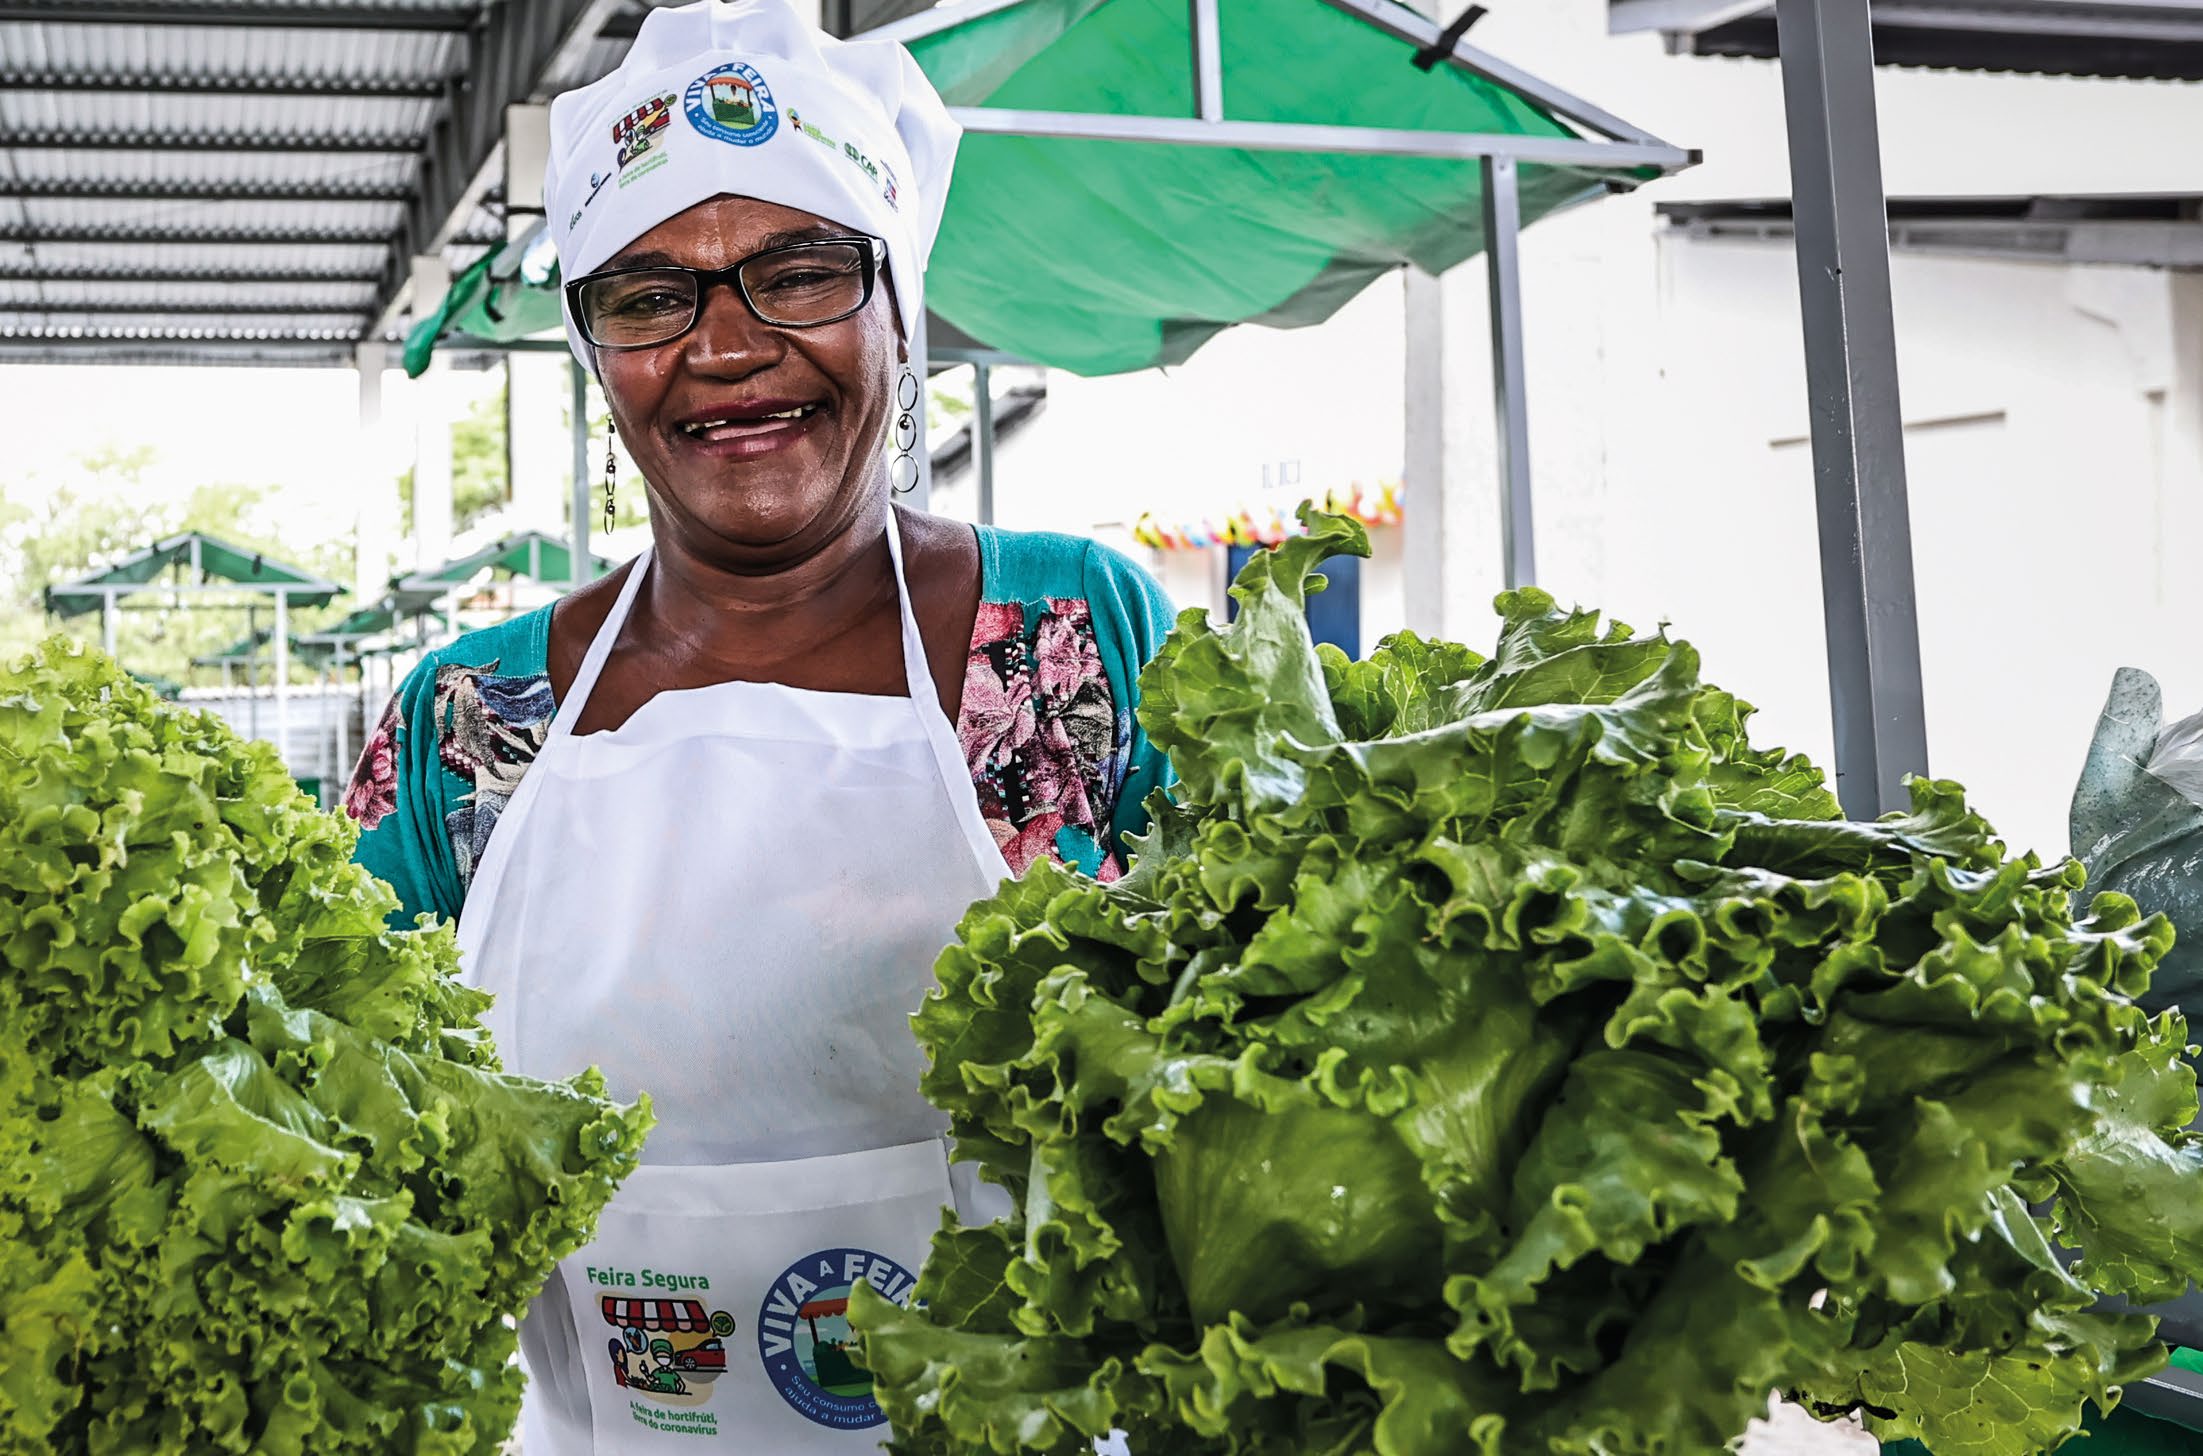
(199, 561)
(531, 554)
(1102, 257)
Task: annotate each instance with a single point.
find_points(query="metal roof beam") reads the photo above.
(234, 13)
(309, 277)
(346, 88)
(111, 339)
(2087, 51)
(242, 308)
(132, 189)
(154, 141)
(519, 47)
(193, 237)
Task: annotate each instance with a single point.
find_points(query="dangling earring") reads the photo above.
(611, 476)
(902, 472)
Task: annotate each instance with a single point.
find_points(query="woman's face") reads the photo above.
(727, 480)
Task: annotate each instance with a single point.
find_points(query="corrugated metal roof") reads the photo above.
(76, 53)
(173, 170)
(198, 178)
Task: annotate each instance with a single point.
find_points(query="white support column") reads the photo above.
(527, 152)
(107, 622)
(375, 528)
(1450, 564)
(2179, 526)
(535, 384)
(283, 677)
(431, 430)
(536, 389)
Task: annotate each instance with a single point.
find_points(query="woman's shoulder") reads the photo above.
(1047, 566)
(517, 647)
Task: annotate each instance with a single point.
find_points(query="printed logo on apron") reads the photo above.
(667, 1354)
(803, 1334)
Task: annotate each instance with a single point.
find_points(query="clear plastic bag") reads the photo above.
(2137, 823)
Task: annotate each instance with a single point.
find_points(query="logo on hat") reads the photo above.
(732, 104)
(883, 177)
(639, 138)
(596, 185)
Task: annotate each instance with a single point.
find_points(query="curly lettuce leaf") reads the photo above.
(1504, 1053)
(262, 1189)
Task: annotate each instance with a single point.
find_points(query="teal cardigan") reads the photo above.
(1059, 761)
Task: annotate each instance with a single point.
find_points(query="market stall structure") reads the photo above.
(212, 574)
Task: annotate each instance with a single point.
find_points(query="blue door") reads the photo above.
(1335, 615)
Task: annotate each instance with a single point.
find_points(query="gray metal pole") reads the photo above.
(1503, 264)
(1851, 376)
(1208, 60)
(252, 673)
(283, 679)
(982, 400)
(580, 563)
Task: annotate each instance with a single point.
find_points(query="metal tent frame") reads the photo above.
(141, 572)
(1614, 144)
(1827, 56)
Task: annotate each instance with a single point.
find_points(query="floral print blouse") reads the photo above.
(1060, 765)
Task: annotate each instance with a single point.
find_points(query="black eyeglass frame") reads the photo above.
(872, 254)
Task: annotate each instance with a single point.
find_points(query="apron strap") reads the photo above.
(917, 674)
(600, 649)
(925, 701)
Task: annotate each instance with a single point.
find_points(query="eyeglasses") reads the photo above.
(800, 286)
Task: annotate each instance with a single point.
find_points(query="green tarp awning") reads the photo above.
(532, 554)
(193, 554)
(1102, 257)
(512, 293)
(382, 617)
(254, 647)
(1106, 256)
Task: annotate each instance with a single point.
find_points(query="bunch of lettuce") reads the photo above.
(1501, 1055)
(262, 1188)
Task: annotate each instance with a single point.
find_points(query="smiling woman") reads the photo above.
(706, 824)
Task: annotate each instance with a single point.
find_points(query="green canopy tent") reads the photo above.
(252, 649)
(1139, 174)
(1106, 216)
(531, 554)
(196, 564)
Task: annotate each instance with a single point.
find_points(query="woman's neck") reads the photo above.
(703, 605)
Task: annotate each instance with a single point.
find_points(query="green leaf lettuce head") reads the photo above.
(262, 1186)
(1502, 1054)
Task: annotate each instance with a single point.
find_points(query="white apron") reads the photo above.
(733, 902)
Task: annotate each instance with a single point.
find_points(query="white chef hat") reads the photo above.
(746, 97)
